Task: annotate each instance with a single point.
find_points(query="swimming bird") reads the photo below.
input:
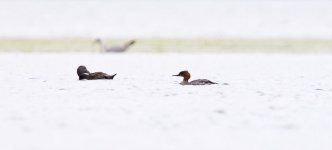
(83, 73)
(116, 48)
(186, 76)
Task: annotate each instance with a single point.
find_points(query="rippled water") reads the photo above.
(271, 101)
(166, 18)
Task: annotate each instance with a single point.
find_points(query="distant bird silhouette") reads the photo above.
(116, 48)
(83, 73)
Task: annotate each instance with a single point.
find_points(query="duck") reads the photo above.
(116, 48)
(186, 76)
(84, 74)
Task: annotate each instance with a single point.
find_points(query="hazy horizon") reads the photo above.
(170, 19)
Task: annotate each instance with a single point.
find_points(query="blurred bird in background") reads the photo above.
(115, 48)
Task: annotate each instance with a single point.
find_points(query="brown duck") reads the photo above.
(186, 77)
(83, 73)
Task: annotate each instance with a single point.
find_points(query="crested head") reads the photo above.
(81, 67)
(185, 74)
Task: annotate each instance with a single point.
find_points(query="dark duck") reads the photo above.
(186, 77)
(84, 74)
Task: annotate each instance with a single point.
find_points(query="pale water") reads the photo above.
(272, 102)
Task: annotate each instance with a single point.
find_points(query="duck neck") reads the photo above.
(184, 82)
(128, 45)
(186, 78)
(102, 46)
(83, 76)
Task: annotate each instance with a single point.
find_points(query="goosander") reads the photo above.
(83, 73)
(116, 48)
(186, 77)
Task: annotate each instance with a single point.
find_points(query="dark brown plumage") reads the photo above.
(83, 73)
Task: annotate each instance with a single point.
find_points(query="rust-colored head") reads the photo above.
(185, 74)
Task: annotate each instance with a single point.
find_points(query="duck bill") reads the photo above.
(176, 75)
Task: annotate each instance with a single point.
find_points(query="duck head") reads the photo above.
(185, 74)
(82, 72)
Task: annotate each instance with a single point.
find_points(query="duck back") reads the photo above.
(201, 82)
(100, 75)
